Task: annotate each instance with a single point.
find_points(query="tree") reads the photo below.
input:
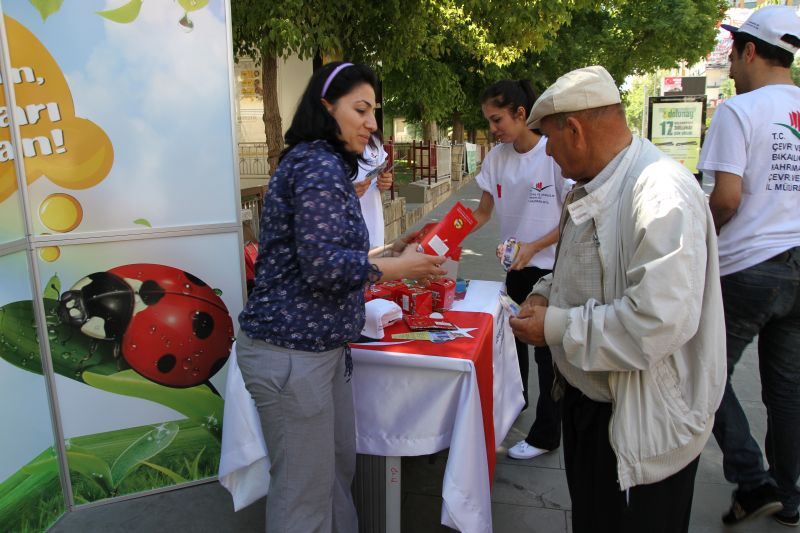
(468, 39)
(634, 99)
(266, 31)
(626, 37)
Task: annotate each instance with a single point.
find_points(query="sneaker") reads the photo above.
(523, 450)
(790, 521)
(746, 504)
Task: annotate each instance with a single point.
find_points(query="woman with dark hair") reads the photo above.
(526, 186)
(308, 303)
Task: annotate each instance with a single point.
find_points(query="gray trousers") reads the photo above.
(306, 411)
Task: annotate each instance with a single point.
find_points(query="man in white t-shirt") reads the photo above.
(753, 152)
(369, 189)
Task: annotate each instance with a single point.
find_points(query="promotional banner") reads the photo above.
(30, 490)
(471, 159)
(127, 126)
(676, 127)
(123, 109)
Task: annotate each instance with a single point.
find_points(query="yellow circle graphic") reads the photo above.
(61, 212)
(458, 223)
(50, 253)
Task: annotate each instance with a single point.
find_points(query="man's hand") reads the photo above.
(361, 187)
(529, 328)
(530, 302)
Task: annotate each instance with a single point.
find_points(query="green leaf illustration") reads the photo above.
(218, 292)
(790, 128)
(143, 222)
(197, 402)
(53, 288)
(193, 5)
(123, 14)
(174, 476)
(142, 449)
(46, 7)
(82, 461)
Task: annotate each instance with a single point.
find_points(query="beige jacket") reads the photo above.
(660, 334)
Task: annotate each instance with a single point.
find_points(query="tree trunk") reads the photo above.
(430, 131)
(473, 136)
(458, 128)
(272, 115)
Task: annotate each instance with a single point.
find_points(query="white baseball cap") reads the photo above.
(770, 24)
(584, 88)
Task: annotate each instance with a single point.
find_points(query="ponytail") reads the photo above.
(510, 94)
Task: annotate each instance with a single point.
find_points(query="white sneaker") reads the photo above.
(523, 450)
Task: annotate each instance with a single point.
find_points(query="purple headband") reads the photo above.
(333, 75)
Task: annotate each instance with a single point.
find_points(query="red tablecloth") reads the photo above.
(477, 347)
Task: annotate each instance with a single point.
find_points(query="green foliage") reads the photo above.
(46, 7)
(795, 70)
(634, 99)
(728, 88)
(124, 14)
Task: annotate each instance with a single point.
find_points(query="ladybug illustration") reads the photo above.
(168, 324)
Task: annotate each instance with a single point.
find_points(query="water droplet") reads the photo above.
(60, 212)
(132, 347)
(50, 253)
(187, 363)
(152, 330)
(195, 372)
(167, 343)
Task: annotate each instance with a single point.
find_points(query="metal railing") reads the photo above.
(253, 162)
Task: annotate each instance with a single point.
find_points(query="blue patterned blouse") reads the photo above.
(312, 262)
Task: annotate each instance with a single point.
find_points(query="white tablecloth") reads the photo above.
(405, 405)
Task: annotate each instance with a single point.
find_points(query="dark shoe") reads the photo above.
(760, 501)
(790, 521)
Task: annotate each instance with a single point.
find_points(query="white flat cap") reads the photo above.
(584, 88)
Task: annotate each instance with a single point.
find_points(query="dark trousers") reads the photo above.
(598, 506)
(545, 433)
(764, 300)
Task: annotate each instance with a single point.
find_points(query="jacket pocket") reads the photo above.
(666, 379)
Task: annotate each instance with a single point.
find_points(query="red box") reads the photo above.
(372, 292)
(444, 293)
(414, 301)
(447, 234)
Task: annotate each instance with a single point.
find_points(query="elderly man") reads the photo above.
(632, 314)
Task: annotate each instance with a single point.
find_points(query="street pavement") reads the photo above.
(527, 496)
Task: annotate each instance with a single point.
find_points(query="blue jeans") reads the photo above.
(764, 300)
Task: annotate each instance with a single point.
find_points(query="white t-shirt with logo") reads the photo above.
(756, 135)
(372, 201)
(528, 191)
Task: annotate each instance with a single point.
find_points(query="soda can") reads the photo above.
(510, 250)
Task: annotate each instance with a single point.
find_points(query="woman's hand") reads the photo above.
(385, 181)
(418, 266)
(526, 252)
(361, 187)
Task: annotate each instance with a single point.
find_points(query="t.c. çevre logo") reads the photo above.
(458, 223)
(794, 118)
(538, 187)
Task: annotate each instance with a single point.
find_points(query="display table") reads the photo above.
(410, 402)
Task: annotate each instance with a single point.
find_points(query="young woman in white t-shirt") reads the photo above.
(524, 185)
(370, 191)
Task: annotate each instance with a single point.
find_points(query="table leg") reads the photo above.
(393, 494)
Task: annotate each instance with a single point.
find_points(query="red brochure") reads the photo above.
(447, 234)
